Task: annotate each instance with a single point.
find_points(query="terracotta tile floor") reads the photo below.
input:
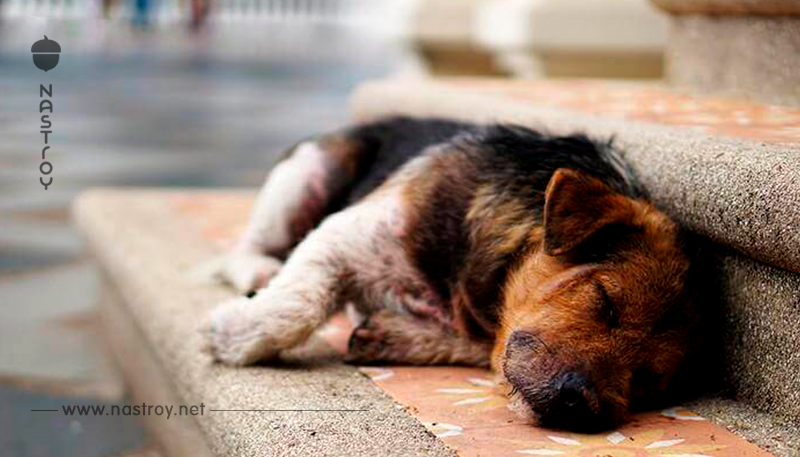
(652, 104)
(468, 410)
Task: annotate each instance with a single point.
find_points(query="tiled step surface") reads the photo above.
(727, 169)
(150, 244)
(753, 7)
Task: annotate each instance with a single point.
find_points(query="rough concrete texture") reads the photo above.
(151, 257)
(747, 56)
(177, 436)
(778, 436)
(754, 7)
(738, 193)
(759, 310)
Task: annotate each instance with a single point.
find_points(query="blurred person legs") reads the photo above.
(141, 17)
(108, 7)
(200, 11)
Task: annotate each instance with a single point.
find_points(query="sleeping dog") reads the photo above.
(484, 245)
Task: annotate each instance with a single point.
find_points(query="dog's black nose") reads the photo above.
(574, 405)
(575, 392)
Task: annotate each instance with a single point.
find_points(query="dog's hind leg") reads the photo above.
(295, 197)
(389, 337)
(318, 277)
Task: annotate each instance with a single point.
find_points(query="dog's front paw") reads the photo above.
(235, 336)
(247, 272)
(243, 331)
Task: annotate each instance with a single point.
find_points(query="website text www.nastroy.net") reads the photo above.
(130, 410)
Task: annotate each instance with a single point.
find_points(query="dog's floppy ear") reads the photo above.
(577, 205)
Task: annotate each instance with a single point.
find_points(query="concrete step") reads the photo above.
(729, 170)
(150, 243)
(747, 48)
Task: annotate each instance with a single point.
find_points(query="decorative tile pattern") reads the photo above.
(652, 104)
(467, 409)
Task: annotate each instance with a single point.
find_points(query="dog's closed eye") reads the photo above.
(608, 309)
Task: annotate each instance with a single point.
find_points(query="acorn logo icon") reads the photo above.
(45, 54)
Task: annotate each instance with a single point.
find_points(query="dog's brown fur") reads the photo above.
(532, 254)
(606, 318)
(628, 316)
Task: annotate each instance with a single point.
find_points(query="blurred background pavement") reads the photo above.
(161, 105)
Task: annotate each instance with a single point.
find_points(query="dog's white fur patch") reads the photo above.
(361, 241)
(246, 271)
(283, 195)
(301, 296)
(248, 266)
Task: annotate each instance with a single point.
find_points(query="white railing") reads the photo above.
(168, 11)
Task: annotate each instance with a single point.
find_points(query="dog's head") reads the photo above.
(598, 314)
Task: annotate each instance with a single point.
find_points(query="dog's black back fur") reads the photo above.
(506, 152)
(515, 162)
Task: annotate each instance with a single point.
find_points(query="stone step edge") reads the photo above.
(177, 436)
(111, 219)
